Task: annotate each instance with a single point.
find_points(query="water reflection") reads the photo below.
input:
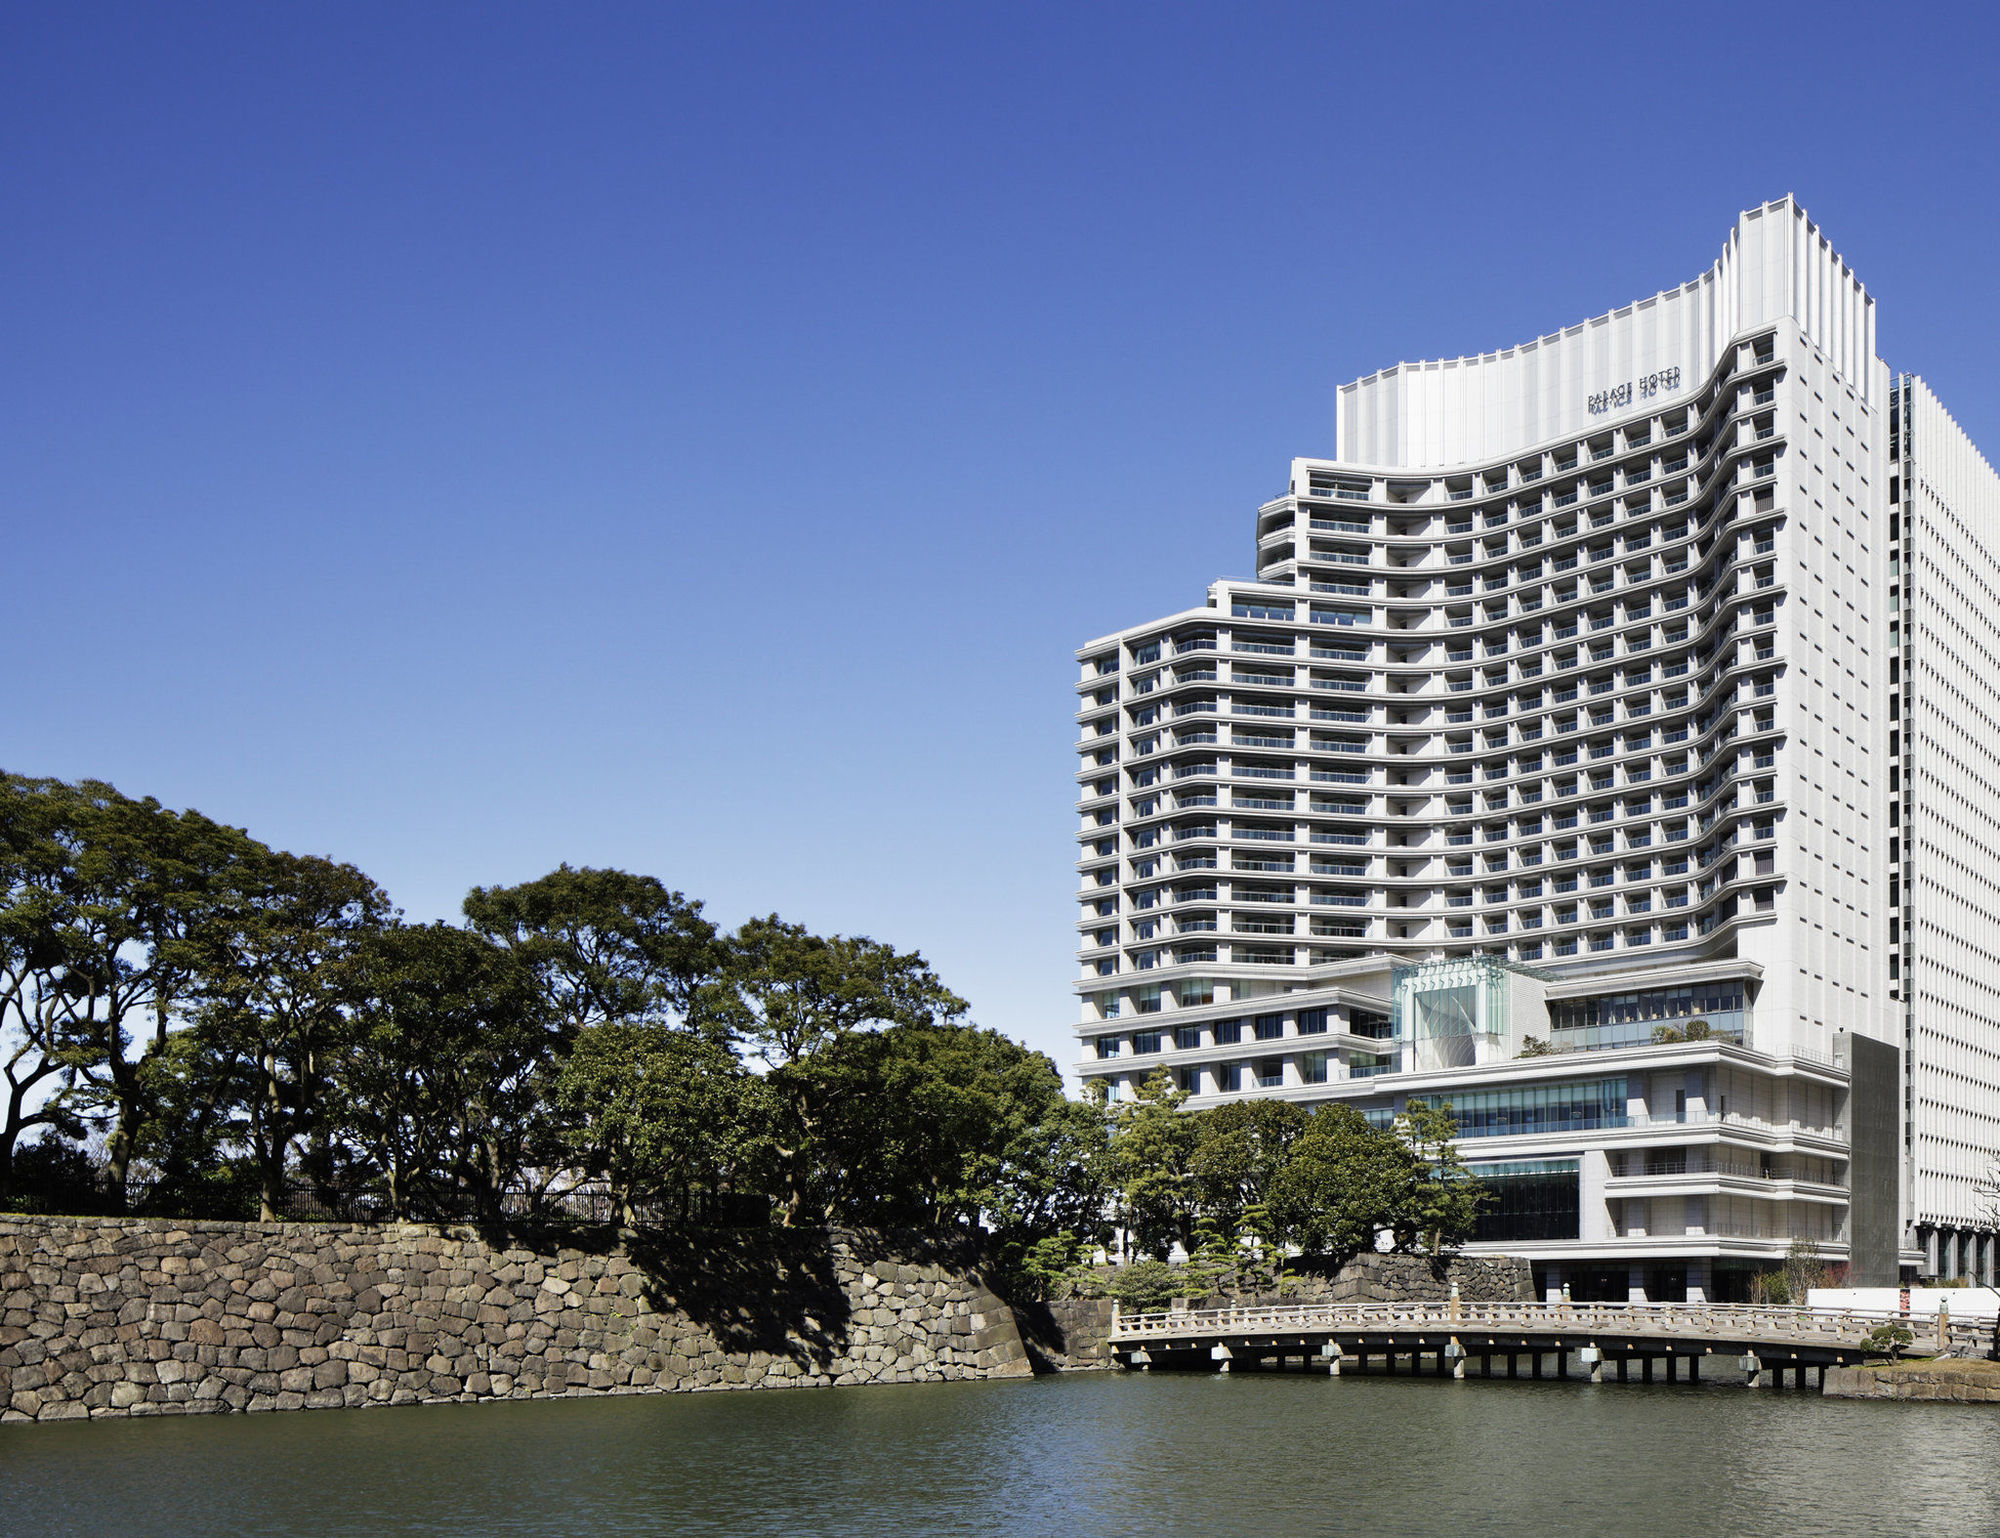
(1079, 1456)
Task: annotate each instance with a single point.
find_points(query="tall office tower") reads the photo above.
(1944, 823)
(1575, 757)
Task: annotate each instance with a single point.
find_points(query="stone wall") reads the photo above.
(109, 1316)
(1957, 1382)
(1377, 1278)
(1068, 1335)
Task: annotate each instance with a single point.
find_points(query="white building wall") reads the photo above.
(1826, 959)
(1951, 502)
(1460, 411)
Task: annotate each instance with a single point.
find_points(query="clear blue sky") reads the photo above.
(464, 438)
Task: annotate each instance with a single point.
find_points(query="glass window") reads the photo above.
(1630, 1019)
(1528, 1199)
(1531, 1109)
(1270, 1027)
(1228, 1032)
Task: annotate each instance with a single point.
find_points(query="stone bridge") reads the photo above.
(1746, 1343)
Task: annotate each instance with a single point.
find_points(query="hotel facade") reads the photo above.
(1608, 745)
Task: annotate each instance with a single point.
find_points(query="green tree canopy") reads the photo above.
(1347, 1183)
(106, 904)
(445, 1083)
(605, 946)
(666, 1116)
(1153, 1154)
(793, 996)
(270, 971)
(939, 1126)
(1243, 1146)
(1445, 1200)
(1344, 1183)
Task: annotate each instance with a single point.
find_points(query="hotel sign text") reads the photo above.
(1620, 396)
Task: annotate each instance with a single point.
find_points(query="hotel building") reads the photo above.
(1609, 745)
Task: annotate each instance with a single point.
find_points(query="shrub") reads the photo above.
(1147, 1285)
(1889, 1340)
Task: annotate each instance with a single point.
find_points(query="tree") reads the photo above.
(37, 1046)
(1345, 1183)
(1445, 1199)
(444, 1086)
(1153, 1150)
(105, 920)
(271, 970)
(793, 995)
(664, 1115)
(605, 946)
(1051, 1267)
(1241, 1148)
(1890, 1340)
(943, 1126)
(1147, 1285)
(1215, 1260)
(1057, 1180)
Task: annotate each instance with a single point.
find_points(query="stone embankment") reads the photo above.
(110, 1317)
(1947, 1379)
(1069, 1335)
(1375, 1278)
(1378, 1278)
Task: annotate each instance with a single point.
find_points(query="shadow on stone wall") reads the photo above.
(1068, 1335)
(752, 1291)
(124, 1316)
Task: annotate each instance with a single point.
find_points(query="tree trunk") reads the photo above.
(118, 1156)
(19, 1119)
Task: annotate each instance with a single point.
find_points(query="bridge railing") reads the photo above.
(1777, 1324)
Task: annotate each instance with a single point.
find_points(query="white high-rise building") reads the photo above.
(1609, 745)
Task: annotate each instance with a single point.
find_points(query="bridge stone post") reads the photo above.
(1220, 1355)
(1593, 1359)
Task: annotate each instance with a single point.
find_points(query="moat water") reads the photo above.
(1077, 1456)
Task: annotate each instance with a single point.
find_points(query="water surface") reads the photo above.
(1078, 1456)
